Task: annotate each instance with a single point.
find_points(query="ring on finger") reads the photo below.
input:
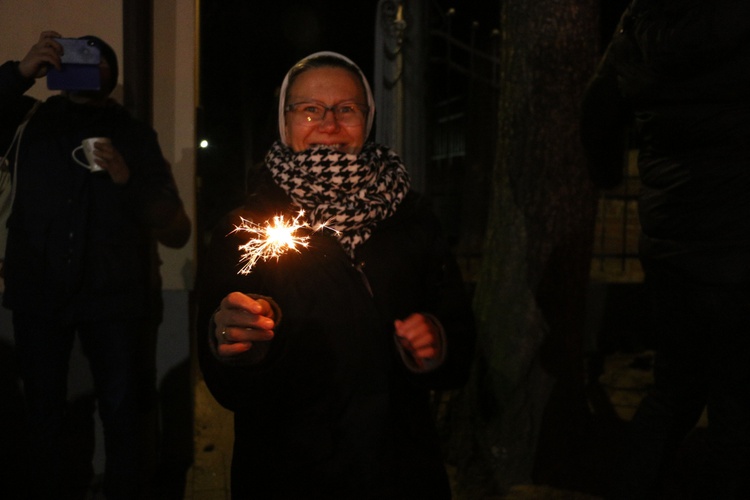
(224, 335)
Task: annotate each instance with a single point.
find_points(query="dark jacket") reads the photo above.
(80, 246)
(678, 72)
(332, 411)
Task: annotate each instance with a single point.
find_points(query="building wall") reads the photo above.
(174, 118)
(615, 252)
(21, 22)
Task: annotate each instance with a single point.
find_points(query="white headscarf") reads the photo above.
(285, 84)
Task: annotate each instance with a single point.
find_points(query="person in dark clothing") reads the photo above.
(81, 259)
(678, 73)
(327, 354)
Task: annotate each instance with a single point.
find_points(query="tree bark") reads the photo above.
(530, 298)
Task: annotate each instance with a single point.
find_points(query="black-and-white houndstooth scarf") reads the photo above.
(349, 193)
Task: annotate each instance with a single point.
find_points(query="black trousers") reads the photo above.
(702, 361)
(123, 385)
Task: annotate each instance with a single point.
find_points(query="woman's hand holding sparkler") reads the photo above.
(240, 321)
(419, 337)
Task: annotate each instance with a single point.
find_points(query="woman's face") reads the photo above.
(341, 128)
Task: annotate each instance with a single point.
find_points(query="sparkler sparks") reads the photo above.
(271, 240)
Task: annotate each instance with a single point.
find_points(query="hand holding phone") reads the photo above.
(44, 54)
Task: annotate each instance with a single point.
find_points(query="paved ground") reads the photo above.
(625, 378)
(622, 384)
(208, 479)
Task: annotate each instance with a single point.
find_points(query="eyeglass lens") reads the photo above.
(345, 113)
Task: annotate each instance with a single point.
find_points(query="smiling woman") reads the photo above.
(336, 393)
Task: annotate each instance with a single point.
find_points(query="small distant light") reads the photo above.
(204, 144)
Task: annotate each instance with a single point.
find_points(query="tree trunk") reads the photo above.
(530, 298)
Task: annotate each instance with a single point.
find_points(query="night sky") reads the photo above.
(245, 50)
(247, 47)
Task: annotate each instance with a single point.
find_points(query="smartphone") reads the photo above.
(79, 68)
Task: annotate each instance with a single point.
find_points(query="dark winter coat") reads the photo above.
(678, 71)
(333, 411)
(80, 246)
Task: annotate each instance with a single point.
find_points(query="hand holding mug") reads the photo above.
(102, 155)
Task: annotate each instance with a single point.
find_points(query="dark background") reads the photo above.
(246, 47)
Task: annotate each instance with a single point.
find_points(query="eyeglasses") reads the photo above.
(346, 113)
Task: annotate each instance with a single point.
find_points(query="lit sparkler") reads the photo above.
(271, 240)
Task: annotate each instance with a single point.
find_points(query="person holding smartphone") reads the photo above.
(81, 260)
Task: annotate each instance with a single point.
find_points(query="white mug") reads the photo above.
(87, 145)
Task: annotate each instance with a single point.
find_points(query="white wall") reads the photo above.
(174, 118)
(21, 22)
